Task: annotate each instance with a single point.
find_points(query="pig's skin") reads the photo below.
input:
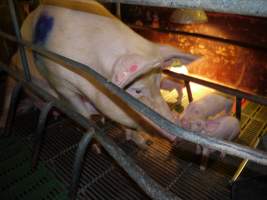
(223, 127)
(208, 106)
(108, 46)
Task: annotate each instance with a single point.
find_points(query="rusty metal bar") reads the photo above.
(242, 7)
(22, 52)
(226, 89)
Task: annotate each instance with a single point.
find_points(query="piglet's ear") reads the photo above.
(169, 52)
(129, 67)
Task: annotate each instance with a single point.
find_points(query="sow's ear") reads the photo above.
(129, 67)
(169, 53)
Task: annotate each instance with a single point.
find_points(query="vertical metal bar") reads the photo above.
(188, 89)
(39, 133)
(238, 107)
(12, 108)
(77, 167)
(18, 36)
(243, 163)
(118, 10)
(7, 52)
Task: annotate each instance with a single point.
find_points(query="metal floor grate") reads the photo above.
(18, 181)
(176, 169)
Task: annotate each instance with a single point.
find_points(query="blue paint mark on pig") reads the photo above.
(43, 26)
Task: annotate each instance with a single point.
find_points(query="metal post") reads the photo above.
(118, 10)
(243, 163)
(7, 52)
(238, 107)
(39, 133)
(188, 89)
(77, 167)
(18, 36)
(12, 109)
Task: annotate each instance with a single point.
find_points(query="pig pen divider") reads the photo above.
(155, 118)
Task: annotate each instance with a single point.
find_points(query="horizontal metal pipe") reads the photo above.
(146, 183)
(228, 90)
(241, 7)
(156, 119)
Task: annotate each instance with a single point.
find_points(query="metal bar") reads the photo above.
(242, 7)
(226, 89)
(7, 52)
(243, 163)
(188, 89)
(200, 35)
(18, 36)
(39, 133)
(148, 185)
(77, 167)
(238, 107)
(12, 109)
(156, 119)
(118, 10)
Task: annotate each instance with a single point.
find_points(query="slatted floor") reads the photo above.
(176, 169)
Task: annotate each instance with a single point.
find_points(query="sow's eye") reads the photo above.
(136, 92)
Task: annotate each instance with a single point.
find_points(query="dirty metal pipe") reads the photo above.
(241, 7)
(18, 36)
(39, 133)
(77, 166)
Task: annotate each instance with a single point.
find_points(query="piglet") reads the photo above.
(223, 127)
(208, 106)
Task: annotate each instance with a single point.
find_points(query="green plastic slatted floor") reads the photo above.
(18, 181)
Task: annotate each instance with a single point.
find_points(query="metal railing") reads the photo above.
(147, 184)
(242, 7)
(239, 94)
